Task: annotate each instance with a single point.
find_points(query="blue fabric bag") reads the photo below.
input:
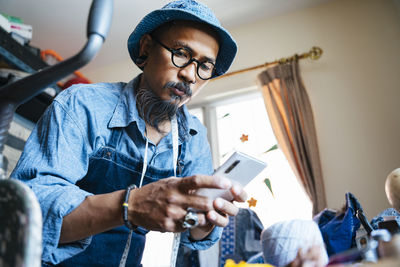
(339, 230)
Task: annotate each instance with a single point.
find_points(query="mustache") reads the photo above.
(181, 86)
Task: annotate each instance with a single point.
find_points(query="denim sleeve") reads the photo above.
(55, 157)
(205, 243)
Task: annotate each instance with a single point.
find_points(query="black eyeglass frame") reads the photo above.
(192, 59)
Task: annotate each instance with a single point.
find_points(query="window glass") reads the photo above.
(244, 126)
(198, 112)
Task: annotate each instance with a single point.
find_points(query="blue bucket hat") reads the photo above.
(186, 10)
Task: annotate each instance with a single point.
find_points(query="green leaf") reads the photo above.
(226, 115)
(267, 181)
(274, 147)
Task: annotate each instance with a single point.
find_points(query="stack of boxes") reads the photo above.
(19, 31)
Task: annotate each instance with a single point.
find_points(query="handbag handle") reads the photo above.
(363, 219)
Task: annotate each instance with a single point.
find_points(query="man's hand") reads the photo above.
(310, 258)
(159, 206)
(222, 209)
(162, 205)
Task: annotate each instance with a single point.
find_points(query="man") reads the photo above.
(104, 159)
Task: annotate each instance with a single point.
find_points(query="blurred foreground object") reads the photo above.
(20, 225)
(391, 248)
(231, 263)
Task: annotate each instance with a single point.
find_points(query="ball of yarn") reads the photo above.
(282, 241)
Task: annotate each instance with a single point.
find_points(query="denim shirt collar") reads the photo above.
(126, 112)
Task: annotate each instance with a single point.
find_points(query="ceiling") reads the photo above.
(61, 25)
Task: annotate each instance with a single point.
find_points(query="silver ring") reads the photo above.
(191, 220)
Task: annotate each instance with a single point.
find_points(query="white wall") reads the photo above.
(354, 88)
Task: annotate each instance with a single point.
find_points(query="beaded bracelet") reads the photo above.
(125, 206)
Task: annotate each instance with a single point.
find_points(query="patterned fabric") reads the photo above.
(20, 225)
(380, 217)
(240, 241)
(241, 238)
(227, 243)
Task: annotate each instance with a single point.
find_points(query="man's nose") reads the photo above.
(188, 73)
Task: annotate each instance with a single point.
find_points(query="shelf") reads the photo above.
(22, 58)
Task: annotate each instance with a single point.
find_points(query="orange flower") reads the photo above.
(244, 138)
(252, 202)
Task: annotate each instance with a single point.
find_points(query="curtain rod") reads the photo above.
(315, 53)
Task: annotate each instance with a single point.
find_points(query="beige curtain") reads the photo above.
(291, 117)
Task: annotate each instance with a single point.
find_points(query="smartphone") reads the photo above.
(239, 168)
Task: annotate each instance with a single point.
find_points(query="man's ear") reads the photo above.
(145, 44)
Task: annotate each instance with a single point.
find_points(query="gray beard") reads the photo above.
(154, 111)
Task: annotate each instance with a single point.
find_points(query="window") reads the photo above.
(243, 125)
(198, 112)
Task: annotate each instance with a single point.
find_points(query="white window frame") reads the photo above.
(210, 115)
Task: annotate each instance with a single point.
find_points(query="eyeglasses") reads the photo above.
(182, 57)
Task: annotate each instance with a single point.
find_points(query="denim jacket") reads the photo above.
(79, 122)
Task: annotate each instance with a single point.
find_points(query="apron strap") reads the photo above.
(174, 129)
(177, 236)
